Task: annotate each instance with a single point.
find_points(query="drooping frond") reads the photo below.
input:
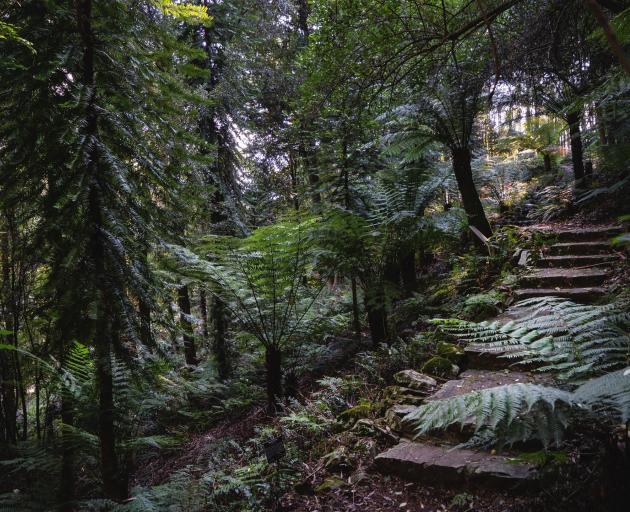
(557, 335)
(513, 413)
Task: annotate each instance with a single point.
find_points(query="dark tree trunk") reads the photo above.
(106, 327)
(114, 485)
(146, 336)
(273, 368)
(577, 153)
(67, 483)
(392, 271)
(408, 270)
(377, 314)
(547, 162)
(356, 321)
(183, 301)
(38, 425)
(8, 381)
(219, 342)
(468, 191)
(203, 310)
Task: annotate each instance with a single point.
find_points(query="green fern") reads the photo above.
(572, 340)
(575, 342)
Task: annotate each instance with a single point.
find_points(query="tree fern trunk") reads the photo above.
(219, 342)
(273, 367)
(408, 270)
(376, 313)
(577, 153)
(183, 301)
(468, 191)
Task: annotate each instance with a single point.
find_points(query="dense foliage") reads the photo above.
(215, 211)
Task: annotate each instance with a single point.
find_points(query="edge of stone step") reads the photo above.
(584, 294)
(585, 233)
(564, 277)
(579, 248)
(572, 261)
(444, 464)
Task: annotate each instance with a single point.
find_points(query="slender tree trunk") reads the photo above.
(146, 336)
(38, 425)
(356, 320)
(8, 380)
(577, 153)
(273, 367)
(468, 191)
(183, 301)
(203, 310)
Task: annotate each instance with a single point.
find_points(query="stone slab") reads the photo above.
(425, 462)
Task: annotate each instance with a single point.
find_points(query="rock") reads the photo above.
(441, 367)
(450, 351)
(394, 418)
(338, 459)
(362, 410)
(415, 380)
(330, 483)
(444, 465)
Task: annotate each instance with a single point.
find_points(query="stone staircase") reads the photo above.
(575, 266)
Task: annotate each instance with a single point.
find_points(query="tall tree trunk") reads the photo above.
(8, 381)
(547, 162)
(183, 301)
(273, 368)
(468, 191)
(577, 153)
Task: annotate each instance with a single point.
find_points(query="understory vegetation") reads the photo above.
(232, 234)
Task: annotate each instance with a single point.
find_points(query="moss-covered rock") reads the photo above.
(362, 410)
(440, 366)
(454, 353)
(329, 484)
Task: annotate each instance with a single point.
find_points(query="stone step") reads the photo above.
(481, 357)
(564, 277)
(431, 463)
(579, 248)
(586, 234)
(575, 261)
(478, 379)
(584, 295)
